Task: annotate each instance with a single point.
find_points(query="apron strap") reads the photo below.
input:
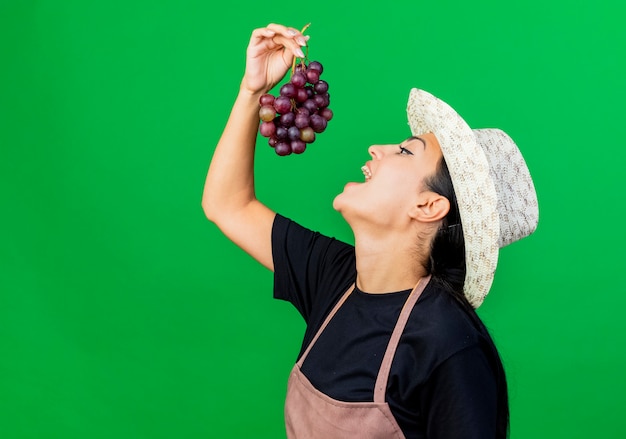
(380, 388)
(328, 318)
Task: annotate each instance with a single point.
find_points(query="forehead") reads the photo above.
(428, 138)
(428, 143)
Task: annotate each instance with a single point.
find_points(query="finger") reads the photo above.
(289, 33)
(262, 33)
(288, 44)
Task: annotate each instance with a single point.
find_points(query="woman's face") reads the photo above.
(394, 182)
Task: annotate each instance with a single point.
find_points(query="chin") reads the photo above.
(344, 210)
(337, 204)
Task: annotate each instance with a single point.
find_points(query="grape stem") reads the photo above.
(306, 55)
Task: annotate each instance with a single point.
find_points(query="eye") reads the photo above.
(403, 150)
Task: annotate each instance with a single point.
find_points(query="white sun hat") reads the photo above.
(494, 190)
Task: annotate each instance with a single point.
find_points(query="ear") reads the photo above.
(430, 207)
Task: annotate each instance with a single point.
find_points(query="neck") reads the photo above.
(387, 264)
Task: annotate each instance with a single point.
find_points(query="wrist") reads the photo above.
(249, 100)
(245, 91)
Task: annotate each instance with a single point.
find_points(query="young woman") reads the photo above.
(393, 346)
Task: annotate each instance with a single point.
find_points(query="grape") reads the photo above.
(298, 79)
(307, 135)
(312, 76)
(302, 119)
(287, 119)
(282, 148)
(310, 105)
(319, 101)
(298, 146)
(291, 119)
(267, 113)
(302, 95)
(316, 65)
(293, 133)
(266, 99)
(318, 123)
(267, 129)
(323, 100)
(281, 132)
(321, 86)
(326, 113)
(282, 104)
(289, 90)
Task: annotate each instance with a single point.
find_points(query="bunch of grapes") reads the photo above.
(291, 120)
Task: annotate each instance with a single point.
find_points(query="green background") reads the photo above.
(124, 313)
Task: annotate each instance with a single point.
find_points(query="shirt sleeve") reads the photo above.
(460, 401)
(308, 267)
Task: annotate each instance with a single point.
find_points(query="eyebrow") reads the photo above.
(418, 138)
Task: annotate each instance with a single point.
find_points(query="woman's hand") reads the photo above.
(270, 54)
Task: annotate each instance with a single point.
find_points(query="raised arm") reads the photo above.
(229, 198)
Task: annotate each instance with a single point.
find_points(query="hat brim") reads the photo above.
(474, 188)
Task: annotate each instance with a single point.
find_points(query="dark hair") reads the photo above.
(447, 267)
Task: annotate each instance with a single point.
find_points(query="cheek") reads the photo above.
(394, 196)
(400, 183)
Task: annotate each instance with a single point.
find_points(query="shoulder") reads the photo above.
(444, 364)
(291, 238)
(310, 268)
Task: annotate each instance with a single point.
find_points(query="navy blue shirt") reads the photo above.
(442, 383)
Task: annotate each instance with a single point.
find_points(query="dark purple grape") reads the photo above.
(266, 99)
(312, 76)
(282, 148)
(267, 113)
(298, 146)
(288, 90)
(293, 133)
(302, 95)
(282, 104)
(326, 113)
(322, 100)
(307, 135)
(316, 65)
(298, 79)
(319, 101)
(267, 129)
(318, 123)
(281, 132)
(309, 91)
(302, 119)
(310, 105)
(287, 119)
(321, 86)
(272, 141)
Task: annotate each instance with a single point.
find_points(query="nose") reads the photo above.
(378, 151)
(373, 151)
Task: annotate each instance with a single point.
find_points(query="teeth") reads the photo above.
(366, 172)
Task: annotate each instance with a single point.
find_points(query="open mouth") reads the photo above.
(366, 172)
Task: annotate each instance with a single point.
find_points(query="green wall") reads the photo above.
(124, 313)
